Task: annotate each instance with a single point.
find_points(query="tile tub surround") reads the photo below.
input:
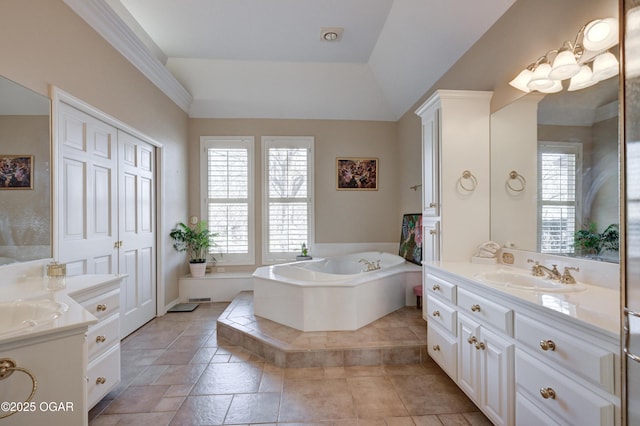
(397, 338)
(176, 372)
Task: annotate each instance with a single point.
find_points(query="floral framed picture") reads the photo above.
(16, 171)
(411, 238)
(353, 174)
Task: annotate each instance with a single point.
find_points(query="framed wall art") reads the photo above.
(16, 171)
(411, 238)
(357, 174)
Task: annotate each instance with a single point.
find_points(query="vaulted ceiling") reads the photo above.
(266, 58)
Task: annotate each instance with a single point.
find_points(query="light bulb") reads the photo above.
(564, 66)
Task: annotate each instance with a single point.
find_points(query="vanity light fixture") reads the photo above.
(572, 60)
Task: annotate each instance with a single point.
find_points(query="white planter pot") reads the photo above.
(197, 269)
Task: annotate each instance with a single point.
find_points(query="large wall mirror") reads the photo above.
(555, 172)
(25, 174)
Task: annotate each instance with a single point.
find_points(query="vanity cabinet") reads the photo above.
(455, 139)
(103, 339)
(522, 364)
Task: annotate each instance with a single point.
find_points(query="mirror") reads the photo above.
(25, 175)
(534, 142)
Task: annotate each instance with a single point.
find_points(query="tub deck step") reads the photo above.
(397, 338)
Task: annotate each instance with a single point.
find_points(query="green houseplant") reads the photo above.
(590, 241)
(196, 241)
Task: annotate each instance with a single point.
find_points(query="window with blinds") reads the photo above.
(558, 190)
(633, 199)
(228, 197)
(287, 166)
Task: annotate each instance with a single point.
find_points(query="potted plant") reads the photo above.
(195, 241)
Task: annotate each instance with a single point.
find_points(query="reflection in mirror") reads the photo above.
(25, 210)
(563, 149)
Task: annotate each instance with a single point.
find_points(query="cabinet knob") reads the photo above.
(100, 339)
(432, 232)
(475, 308)
(480, 346)
(548, 393)
(101, 307)
(436, 287)
(547, 345)
(101, 381)
(472, 340)
(436, 313)
(433, 205)
(436, 347)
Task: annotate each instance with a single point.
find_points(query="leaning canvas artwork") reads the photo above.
(411, 238)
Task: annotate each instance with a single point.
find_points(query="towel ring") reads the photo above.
(472, 184)
(7, 367)
(515, 176)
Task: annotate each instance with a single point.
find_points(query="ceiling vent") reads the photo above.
(331, 33)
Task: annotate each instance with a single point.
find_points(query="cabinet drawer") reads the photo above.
(441, 288)
(438, 312)
(485, 311)
(443, 349)
(527, 414)
(103, 336)
(591, 362)
(103, 305)
(572, 402)
(102, 375)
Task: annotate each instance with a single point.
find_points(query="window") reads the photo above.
(633, 199)
(559, 189)
(287, 196)
(227, 191)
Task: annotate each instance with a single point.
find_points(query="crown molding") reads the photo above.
(112, 28)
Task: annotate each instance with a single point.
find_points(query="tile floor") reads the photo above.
(176, 372)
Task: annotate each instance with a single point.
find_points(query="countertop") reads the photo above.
(595, 307)
(76, 316)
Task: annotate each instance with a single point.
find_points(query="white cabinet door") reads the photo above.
(468, 356)
(87, 203)
(136, 232)
(431, 163)
(496, 377)
(430, 240)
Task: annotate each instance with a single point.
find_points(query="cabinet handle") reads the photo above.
(472, 340)
(547, 345)
(436, 313)
(436, 347)
(480, 345)
(100, 339)
(101, 381)
(436, 287)
(433, 205)
(475, 308)
(101, 307)
(432, 232)
(548, 393)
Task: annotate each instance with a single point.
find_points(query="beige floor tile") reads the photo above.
(156, 419)
(375, 397)
(253, 408)
(431, 420)
(316, 400)
(181, 374)
(240, 377)
(477, 419)
(137, 399)
(431, 394)
(203, 410)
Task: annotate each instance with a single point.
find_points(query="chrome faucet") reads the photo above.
(539, 270)
(371, 266)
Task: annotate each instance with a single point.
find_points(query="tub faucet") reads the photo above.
(371, 266)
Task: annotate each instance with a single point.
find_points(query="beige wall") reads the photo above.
(340, 216)
(43, 42)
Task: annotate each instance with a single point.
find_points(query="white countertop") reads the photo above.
(596, 307)
(76, 316)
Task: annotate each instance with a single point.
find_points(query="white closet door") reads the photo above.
(136, 230)
(87, 167)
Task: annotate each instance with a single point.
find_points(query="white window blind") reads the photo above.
(228, 197)
(558, 190)
(633, 199)
(288, 201)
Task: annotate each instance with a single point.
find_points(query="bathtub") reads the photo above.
(335, 293)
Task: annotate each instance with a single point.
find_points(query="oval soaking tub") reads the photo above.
(335, 293)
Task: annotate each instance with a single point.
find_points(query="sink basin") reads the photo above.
(528, 282)
(21, 315)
